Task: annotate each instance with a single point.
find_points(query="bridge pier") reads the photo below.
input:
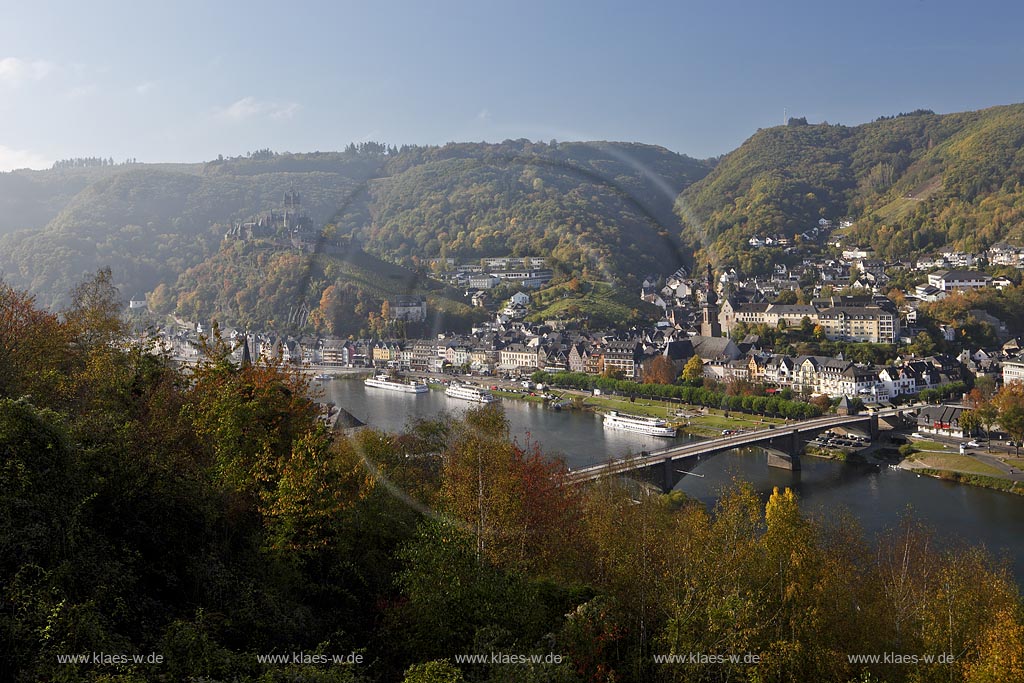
(783, 461)
(788, 459)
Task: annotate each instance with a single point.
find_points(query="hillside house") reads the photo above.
(408, 308)
(959, 280)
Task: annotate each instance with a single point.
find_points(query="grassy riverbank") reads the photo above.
(836, 454)
(954, 462)
(693, 420)
(934, 446)
(944, 461)
(997, 483)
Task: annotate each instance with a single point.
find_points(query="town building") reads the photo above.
(1013, 371)
(517, 357)
(513, 262)
(943, 420)
(624, 357)
(527, 277)
(408, 308)
(959, 280)
(483, 281)
(336, 352)
(861, 324)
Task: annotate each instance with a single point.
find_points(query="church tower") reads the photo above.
(246, 356)
(709, 326)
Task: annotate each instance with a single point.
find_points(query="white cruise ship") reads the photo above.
(467, 392)
(652, 426)
(405, 386)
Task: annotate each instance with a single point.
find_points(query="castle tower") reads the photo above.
(710, 326)
(292, 209)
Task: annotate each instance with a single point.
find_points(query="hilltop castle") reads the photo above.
(288, 226)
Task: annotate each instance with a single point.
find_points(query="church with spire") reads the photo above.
(710, 345)
(710, 326)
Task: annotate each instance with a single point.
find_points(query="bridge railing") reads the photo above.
(648, 458)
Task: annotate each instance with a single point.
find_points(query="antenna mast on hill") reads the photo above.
(785, 114)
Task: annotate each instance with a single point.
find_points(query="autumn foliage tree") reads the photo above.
(659, 370)
(33, 346)
(694, 368)
(95, 314)
(1010, 403)
(264, 443)
(511, 499)
(1000, 653)
(208, 515)
(983, 413)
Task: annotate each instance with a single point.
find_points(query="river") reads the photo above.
(875, 497)
(578, 437)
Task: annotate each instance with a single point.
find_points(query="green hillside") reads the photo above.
(596, 208)
(911, 183)
(256, 284)
(149, 223)
(593, 304)
(601, 211)
(31, 199)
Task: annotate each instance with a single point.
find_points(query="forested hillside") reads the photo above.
(600, 207)
(600, 211)
(31, 199)
(342, 293)
(150, 223)
(596, 209)
(912, 182)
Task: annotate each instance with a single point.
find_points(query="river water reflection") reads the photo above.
(875, 497)
(578, 437)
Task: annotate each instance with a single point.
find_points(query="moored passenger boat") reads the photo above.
(652, 426)
(393, 384)
(468, 392)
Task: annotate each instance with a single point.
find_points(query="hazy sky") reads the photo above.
(185, 81)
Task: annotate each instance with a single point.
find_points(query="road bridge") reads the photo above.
(784, 444)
